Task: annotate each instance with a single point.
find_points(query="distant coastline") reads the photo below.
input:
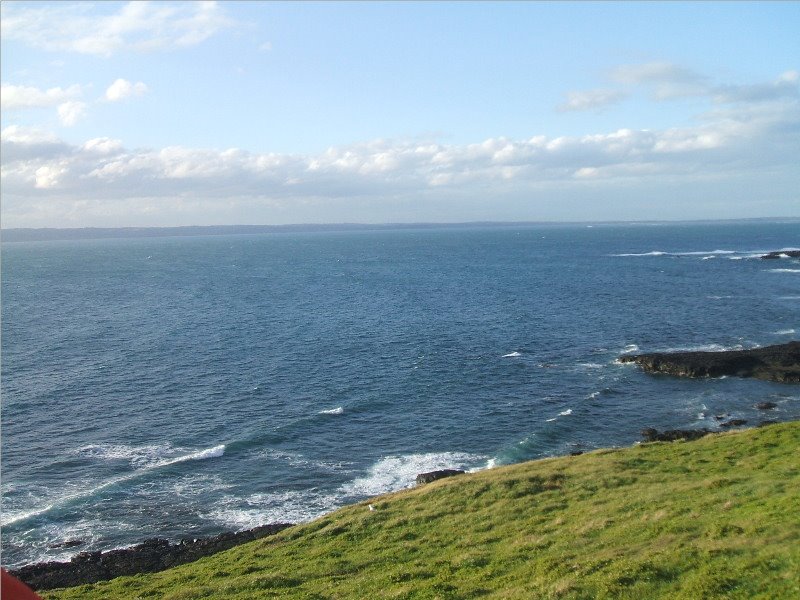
(42, 234)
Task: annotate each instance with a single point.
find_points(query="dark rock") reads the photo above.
(150, 556)
(576, 453)
(767, 422)
(783, 254)
(733, 423)
(67, 544)
(779, 363)
(653, 435)
(765, 405)
(434, 475)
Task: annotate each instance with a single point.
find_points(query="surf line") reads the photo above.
(66, 500)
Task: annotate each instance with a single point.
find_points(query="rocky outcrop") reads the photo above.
(653, 435)
(773, 363)
(434, 475)
(148, 557)
(783, 254)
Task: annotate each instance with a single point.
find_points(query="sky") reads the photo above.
(120, 114)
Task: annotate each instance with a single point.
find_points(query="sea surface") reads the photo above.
(180, 387)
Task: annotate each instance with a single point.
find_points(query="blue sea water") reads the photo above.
(180, 387)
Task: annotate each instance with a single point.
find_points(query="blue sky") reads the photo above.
(179, 113)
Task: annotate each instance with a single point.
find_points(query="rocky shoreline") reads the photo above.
(150, 556)
(779, 363)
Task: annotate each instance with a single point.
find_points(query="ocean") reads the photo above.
(183, 386)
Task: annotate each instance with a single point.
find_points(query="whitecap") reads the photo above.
(630, 348)
(785, 332)
(550, 420)
(703, 253)
(511, 355)
(590, 365)
(398, 472)
(138, 456)
(783, 270)
(333, 411)
(653, 253)
(565, 413)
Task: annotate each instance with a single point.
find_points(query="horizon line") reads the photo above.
(19, 234)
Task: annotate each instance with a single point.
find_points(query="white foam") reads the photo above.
(565, 413)
(15, 517)
(630, 348)
(150, 456)
(333, 411)
(214, 452)
(511, 355)
(264, 508)
(398, 472)
(785, 332)
(550, 420)
(706, 348)
(783, 270)
(138, 456)
(653, 253)
(591, 365)
(594, 395)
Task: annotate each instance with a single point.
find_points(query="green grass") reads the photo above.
(714, 518)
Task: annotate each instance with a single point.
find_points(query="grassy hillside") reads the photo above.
(714, 518)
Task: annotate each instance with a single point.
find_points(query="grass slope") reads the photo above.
(714, 518)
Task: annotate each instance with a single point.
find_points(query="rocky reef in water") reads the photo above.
(782, 254)
(148, 557)
(779, 363)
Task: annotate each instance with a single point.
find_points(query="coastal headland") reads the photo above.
(710, 518)
(779, 363)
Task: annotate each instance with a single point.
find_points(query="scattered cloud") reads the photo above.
(122, 88)
(591, 100)
(666, 80)
(729, 141)
(69, 113)
(20, 96)
(784, 87)
(265, 47)
(137, 25)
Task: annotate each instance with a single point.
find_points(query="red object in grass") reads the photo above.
(12, 588)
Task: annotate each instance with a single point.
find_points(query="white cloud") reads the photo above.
(727, 143)
(21, 96)
(71, 112)
(785, 86)
(102, 146)
(137, 25)
(591, 99)
(667, 80)
(122, 88)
